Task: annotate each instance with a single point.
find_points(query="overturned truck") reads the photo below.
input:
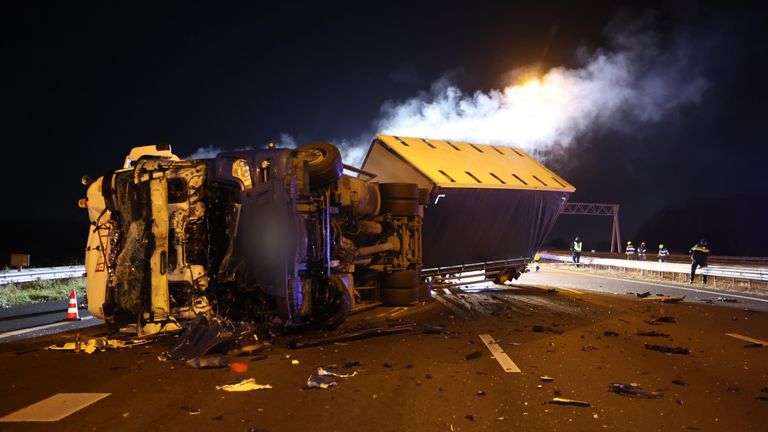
(284, 237)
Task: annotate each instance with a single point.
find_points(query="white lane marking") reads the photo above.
(747, 338)
(42, 327)
(398, 312)
(714, 293)
(506, 363)
(54, 408)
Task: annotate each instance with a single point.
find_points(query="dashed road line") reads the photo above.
(506, 363)
(747, 338)
(54, 408)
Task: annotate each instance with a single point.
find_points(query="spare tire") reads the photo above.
(323, 161)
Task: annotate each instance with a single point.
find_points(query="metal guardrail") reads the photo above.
(747, 272)
(43, 273)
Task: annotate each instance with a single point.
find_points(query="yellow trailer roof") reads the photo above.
(454, 164)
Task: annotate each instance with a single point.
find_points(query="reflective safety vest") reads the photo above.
(630, 250)
(577, 246)
(664, 252)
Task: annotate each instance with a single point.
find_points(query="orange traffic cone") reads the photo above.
(72, 313)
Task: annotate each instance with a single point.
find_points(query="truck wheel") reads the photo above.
(401, 279)
(324, 162)
(400, 207)
(399, 191)
(399, 296)
(399, 199)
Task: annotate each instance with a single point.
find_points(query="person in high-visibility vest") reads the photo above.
(641, 251)
(576, 250)
(630, 250)
(537, 260)
(663, 253)
(699, 254)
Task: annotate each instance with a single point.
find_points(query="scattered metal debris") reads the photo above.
(545, 329)
(610, 333)
(321, 382)
(209, 362)
(217, 335)
(666, 299)
(668, 349)
(644, 295)
(634, 390)
(97, 344)
(355, 335)
(663, 319)
(653, 333)
(247, 384)
(571, 402)
(341, 373)
(679, 382)
(546, 378)
(473, 355)
(727, 299)
(481, 393)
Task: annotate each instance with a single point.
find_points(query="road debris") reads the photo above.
(644, 295)
(653, 333)
(634, 390)
(473, 355)
(679, 382)
(354, 335)
(209, 362)
(217, 335)
(610, 333)
(571, 402)
(727, 299)
(663, 319)
(545, 329)
(341, 373)
(238, 367)
(97, 344)
(247, 384)
(321, 382)
(589, 348)
(481, 393)
(668, 349)
(546, 378)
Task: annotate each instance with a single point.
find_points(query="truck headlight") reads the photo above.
(242, 172)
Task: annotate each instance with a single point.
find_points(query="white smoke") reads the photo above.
(634, 82)
(204, 153)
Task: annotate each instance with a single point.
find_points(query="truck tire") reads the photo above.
(401, 279)
(400, 207)
(423, 196)
(399, 296)
(399, 199)
(323, 161)
(399, 191)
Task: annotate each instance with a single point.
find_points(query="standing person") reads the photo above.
(699, 253)
(537, 260)
(641, 251)
(576, 250)
(663, 253)
(630, 250)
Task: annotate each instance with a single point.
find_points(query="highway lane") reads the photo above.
(583, 340)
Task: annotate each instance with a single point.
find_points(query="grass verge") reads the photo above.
(20, 294)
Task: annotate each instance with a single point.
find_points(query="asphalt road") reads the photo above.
(440, 382)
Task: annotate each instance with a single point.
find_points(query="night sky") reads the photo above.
(84, 83)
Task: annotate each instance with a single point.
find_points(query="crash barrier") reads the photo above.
(748, 273)
(678, 258)
(43, 273)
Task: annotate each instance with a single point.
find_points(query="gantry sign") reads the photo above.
(590, 209)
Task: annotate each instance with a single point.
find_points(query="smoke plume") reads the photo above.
(639, 79)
